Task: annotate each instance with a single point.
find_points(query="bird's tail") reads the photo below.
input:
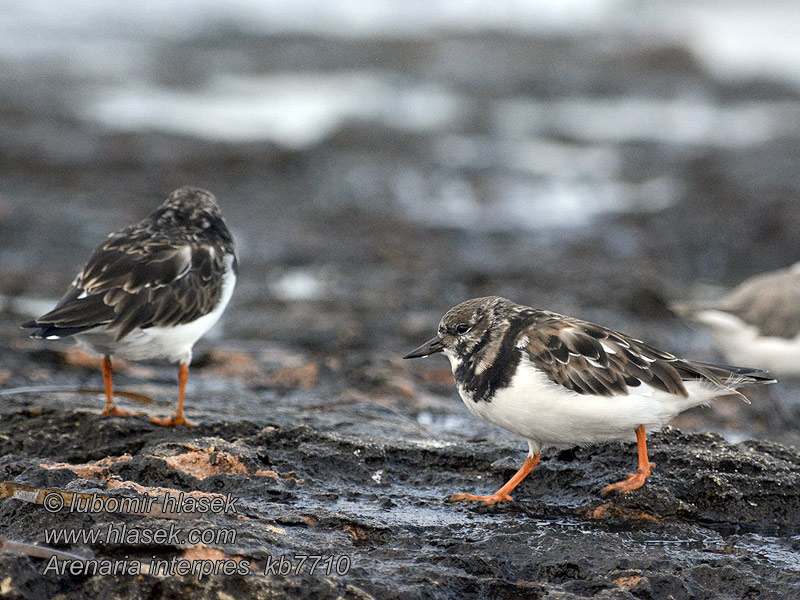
(48, 331)
(738, 376)
(727, 377)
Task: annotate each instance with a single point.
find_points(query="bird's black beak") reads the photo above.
(430, 347)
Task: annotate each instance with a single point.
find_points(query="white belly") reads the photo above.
(742, 344)
(171, 343)
(546, 413)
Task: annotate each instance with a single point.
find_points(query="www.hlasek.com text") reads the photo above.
(132, 535)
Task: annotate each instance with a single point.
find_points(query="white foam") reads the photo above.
(347, 18)
(295, 110)
(298, 285)
(526, 203)
(734, 38)
(689, 121)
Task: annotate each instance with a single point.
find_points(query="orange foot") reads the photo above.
(486, 500)
(172, 421)
(633, 482)
(113, 410)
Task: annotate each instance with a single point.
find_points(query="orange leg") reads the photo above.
(177, 418)
(503, 492)
(110, 408)
(635, 481)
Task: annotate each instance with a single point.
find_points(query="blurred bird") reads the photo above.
(151, 290)
(757, 323)
(556, 380)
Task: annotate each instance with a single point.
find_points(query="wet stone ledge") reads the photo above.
(359, 481)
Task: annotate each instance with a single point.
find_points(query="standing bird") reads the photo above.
(758, 322)
(557, 380)
(151, 290)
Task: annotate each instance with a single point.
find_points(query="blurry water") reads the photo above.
(295, 110)
(223, 71)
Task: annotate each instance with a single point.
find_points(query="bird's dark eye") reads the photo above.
(462, 328)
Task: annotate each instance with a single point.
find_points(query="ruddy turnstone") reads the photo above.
(556, 380)
(757, 323)
(151, 290)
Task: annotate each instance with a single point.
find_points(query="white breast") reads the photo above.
(546, 413)
(172, 343)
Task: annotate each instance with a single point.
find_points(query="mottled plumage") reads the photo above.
(152, 289)
(555, 379)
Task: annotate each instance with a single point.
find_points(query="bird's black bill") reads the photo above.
(430, 347)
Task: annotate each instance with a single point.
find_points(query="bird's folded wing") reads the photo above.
(129, 283)
(590, 359)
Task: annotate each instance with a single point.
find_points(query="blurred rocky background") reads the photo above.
(379, 161)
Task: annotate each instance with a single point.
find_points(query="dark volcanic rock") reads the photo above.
(358, 481)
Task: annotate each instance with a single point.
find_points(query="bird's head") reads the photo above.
(467, 328)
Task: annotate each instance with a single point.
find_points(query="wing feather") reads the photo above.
(590, 359)
(134, 281)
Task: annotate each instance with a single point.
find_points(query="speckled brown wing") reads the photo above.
(590, 359)
(138, 278)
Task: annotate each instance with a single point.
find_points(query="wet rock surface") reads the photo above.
(599, 171)
(323, 469)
